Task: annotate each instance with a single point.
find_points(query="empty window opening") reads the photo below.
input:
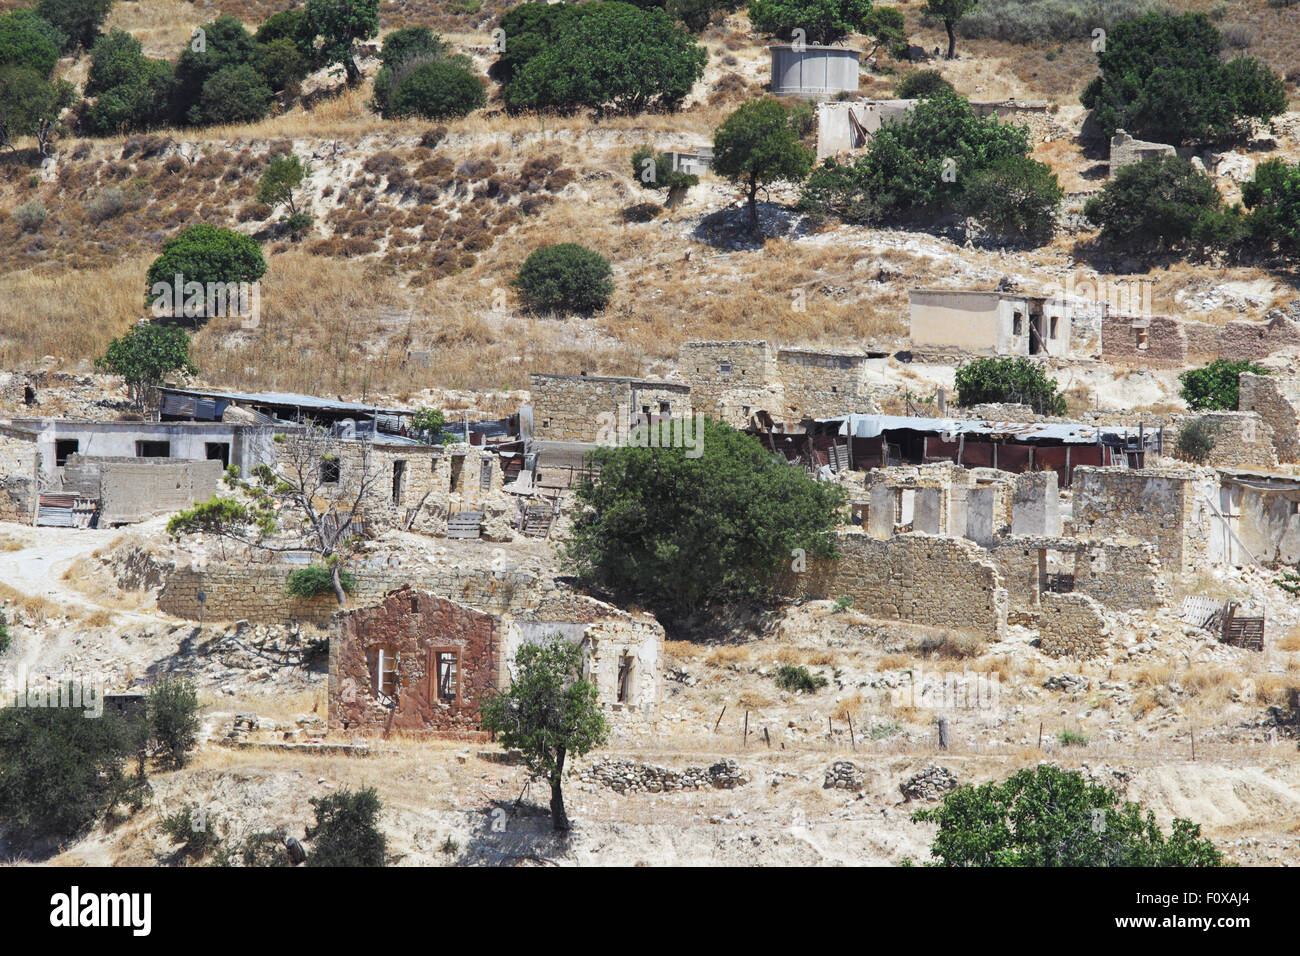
(485, 475)
(665, 408)
(153, 449)
(448, 674)
(1142, 338)
(1051, 332)
(29, 395)
(64, 447)
(1017, 324)
(457, 466)
(329, 470)
(217, 451)
(399, 480)
(385, 675)
(724, 368)
(624, 678)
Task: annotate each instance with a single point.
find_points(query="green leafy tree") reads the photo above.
(1197, 438)
(132, 91)
(78, 21)
(28, 41)
(279, 63)
(1162, 205)
(823, 21)
(291, 25)
(346, 832)
(698, 14)
(235, 94)
(207, 254)
(548, 714)
(889, 28)
(405, 51)
(612, 56)
(1273, 198)
(757, 145)
(429, 423)
(31, 105)
(917, 167)
(284, 173)
(1161, 79)
(1050, 817)
(59, 771)
(1015, 197)
(173, 706)
(528, 28)
(674, 528)
(950, 12)
(1213, 387)
(434, 89)
(146, 355)
(655, 171)
(1005, 379)
(565, 278)
(341, 24)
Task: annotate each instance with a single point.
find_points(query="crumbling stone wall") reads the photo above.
(1120, 575)
(577, 407)
(1275, 398)
(944, 582)
(19, 477)
(412, 626)
(1143, 340)
(1072, 625)
(1241, 341)
(1202, 341)
(1166, 507)
(629, 776)
(820, 384)
(1242, 439)
(1125, 151)
(136, 489)
(727, 377)
(256, 592)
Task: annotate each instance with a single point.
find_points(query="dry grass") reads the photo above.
(725, 654)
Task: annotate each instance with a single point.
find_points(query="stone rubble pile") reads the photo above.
(930, 784)
(843, 775)
(628, 776)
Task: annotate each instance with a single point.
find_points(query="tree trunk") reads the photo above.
(559, 819)
(753, 208)
(952, 39)
(337, 581)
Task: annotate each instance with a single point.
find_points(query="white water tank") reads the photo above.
(813, 70)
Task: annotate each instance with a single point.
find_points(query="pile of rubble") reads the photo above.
(628, 776)
(930, 784)
(843, 775)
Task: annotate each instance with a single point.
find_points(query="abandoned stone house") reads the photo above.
(419, 663)
(1276, 400)
(580, 407)
(1170, 342)
(976, 322)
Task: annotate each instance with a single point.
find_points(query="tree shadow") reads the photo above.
(515, 834)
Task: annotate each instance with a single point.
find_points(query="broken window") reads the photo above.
(1141, 339)
(624, 678)
(329, 470)
(64, 447)
(447, 674)
(399, 480)
(384, 671)
(1017, 323)
(457, 466)
(153, 449)
(217, 451)
(724, 368)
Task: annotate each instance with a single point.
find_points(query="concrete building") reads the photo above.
(1004, 323)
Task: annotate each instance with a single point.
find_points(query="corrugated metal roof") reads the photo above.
(1070, 433)
(292, 399)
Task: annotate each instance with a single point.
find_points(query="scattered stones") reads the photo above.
(1070, 683)
(930, 784)
(627, 776)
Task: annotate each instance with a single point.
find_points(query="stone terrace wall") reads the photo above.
(1241, 341)
(1275, 399)
(19, 478)
(923, 579)
(256, 592)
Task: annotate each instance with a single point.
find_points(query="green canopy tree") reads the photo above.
(78, 21)
(30, 105)
(132, 91)
(822, 21)
(548, 714)
(676, 528)
(1012, 380)
(146, 355)
(28, 41)
(757, 145)
(1273, 198)
(1046, 816)
(205, 254)
(1215, 386)
(341, 24)
(950, 12)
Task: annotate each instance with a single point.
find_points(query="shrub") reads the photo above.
(110, 203)
(28, 41)
(565, 278)
(280, 63)
(435, 90)
(676, 528)
(609, 55)
(235, 94)
(697, 14)
(30, 216)
(5, 637)
(1043, 20)
(132, 90)
(1069, 738)
(1213, 387)
(1046, 816)
(205, 253)
(918, 84)
(173, 705)
(315, 580)
(1012, 380)
(798, 679)
(1162, 79)
(59, 771)
(1196, 439)
(1162, 205)
(194, 830)
(530, 27)
(1016, 197)
(347, 832)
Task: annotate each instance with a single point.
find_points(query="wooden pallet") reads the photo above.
(464, 524)
(1247, 632)
(537, 521)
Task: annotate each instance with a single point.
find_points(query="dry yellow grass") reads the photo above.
(725, 654)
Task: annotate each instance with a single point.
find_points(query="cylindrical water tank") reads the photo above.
(813, 70)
